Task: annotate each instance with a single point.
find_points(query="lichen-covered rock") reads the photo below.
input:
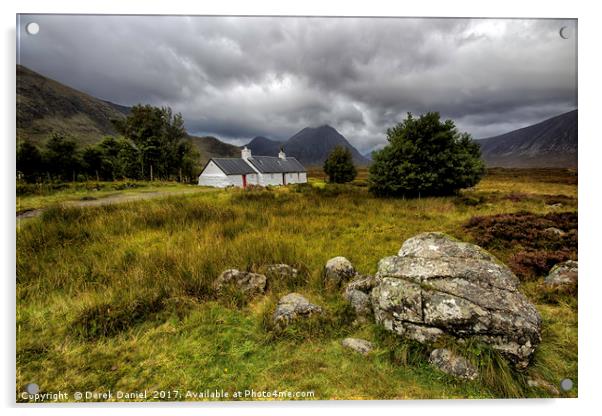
(337, 271)
(250, 284)
(363, 283)
(563, 274)
(282, 271)
(438, 286)
(453, 364)
(358, 345)
(360, 302)
(292, 307)
(357, 293)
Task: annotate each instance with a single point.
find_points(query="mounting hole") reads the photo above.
(566, 384)
(32, 388)
(32, 28)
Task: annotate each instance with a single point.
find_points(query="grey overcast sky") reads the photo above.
(240, 77)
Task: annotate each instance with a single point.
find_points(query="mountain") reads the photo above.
(210, 146)
(311, 146)
(263, 146)
(551, 143)
(45, 106)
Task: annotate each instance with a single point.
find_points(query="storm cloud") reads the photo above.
(239, 77)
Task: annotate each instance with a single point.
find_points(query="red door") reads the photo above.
(244, 181)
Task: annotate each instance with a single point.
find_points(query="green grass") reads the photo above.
(119, 297)
(37, 196)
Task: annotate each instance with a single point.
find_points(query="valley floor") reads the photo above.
(118, 297)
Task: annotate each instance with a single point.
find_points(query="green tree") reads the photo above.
(92, 160)
(128, 161)
(339, 165)
(425, 156)
(157, 134)
(188, 157)
(61, 157)
(29, 161)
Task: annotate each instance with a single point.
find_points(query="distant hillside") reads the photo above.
(551, 143)
(210, 146)
(263, 146)
(45, 106)
(311, 146)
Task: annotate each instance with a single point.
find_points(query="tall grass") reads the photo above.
(121, 296)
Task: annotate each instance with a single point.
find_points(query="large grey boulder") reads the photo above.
(250, 284)
(338, 271)
(358, 345)
(438, 286)
(292, 307)
(563, 274)
(453, 364)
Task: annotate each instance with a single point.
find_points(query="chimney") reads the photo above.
(281, 154)
(245, 153)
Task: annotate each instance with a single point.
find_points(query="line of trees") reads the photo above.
(152, 145)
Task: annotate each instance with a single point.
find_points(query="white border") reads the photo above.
(590, 151)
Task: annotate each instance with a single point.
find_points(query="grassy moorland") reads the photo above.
(38, 196)
(119, 297)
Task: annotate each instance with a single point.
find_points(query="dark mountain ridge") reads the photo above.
(550, 143)
(264, 147)
(311, 145)
(45, 106)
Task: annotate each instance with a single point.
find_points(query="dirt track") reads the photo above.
(113, 199)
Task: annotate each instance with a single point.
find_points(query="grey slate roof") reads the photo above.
(233, 166)
(270, 164)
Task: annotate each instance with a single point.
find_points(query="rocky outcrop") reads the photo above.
(358, 345)
(292, 307)
(563, 274)
(250, 284)
(438, 286)
(453, 364)
(338, 271)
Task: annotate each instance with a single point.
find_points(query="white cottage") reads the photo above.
(252, 170)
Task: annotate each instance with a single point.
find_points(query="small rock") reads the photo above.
(282, 271)
(362, 283)
(359, 345)
(555, 231)
(562, 274)
(338, 270)
(453, 364)
(292, 307)
(544, 385)
(357, 293)
(250, 284)
(360, 302)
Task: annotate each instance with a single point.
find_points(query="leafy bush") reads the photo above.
(425, 156)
